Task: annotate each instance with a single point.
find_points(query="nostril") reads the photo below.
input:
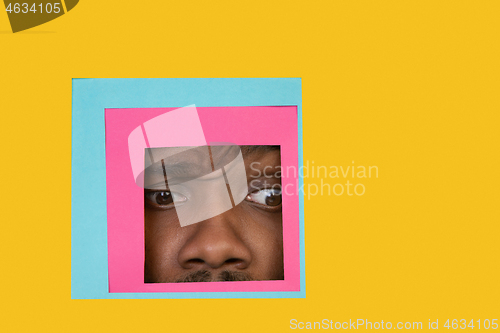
(195, 261)
(233, 261)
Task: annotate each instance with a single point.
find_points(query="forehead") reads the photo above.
(259, 157)
(218, 156)
(185, 163)
(259, 149)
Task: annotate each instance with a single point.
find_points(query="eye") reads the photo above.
(164, 199)
(267, 197)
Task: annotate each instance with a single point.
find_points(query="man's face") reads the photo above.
(244, 243)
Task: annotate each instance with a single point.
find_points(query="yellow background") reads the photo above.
(411, 87)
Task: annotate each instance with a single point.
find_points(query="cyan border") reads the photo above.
(89, 262)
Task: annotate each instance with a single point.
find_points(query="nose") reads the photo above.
(216, 242)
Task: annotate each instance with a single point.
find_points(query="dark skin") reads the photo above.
(243, 243)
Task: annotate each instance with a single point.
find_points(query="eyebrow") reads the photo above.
(179, 169)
